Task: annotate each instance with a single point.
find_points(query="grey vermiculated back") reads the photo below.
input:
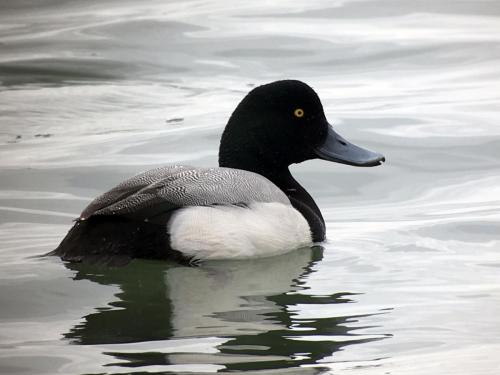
(129, 187)
(162, 189)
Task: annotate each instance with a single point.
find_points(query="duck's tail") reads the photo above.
(113, 241)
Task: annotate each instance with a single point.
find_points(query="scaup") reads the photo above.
(251, 206)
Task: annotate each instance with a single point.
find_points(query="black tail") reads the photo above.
(115, 241)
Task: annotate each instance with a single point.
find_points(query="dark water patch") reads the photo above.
(157, 48)
(476, 231)
(494, 265)
(174, 120)
(395, 8)
(16, 138)
(411, 249)
(268, 52)
(384, 56)
(27, 5)
(60, 71)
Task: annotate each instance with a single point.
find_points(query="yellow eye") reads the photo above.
(299, 112)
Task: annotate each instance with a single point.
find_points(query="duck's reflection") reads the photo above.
(248, 303)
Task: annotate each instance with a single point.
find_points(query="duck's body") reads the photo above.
(250, 206)
(191, 214)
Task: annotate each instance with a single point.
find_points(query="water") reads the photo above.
(409, 281)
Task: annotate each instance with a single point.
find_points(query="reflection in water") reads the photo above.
(250, 305)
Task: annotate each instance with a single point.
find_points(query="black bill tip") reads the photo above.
(337, 149)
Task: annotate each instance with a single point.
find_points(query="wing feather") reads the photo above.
(158, 191)
(129, 187)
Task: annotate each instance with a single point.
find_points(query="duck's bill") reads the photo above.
(335, 148)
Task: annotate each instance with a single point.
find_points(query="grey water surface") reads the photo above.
(92, 92)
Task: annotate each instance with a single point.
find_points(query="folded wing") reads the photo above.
(153, 193)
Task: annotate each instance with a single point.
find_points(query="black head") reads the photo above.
(282, 123)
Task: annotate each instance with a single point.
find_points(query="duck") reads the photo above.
(249, 207)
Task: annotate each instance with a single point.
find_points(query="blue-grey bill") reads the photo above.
(337, 149)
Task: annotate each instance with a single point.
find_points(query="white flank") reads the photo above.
(231, 232)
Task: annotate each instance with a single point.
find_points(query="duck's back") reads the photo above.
(186, 213)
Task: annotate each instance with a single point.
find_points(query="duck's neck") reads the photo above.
(299, 197)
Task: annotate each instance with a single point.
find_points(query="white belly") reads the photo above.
(231, 232)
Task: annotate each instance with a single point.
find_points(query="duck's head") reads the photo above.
(282, 123)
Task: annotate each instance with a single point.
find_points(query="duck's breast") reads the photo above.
(230, 231)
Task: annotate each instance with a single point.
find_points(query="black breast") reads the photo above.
(315, 222)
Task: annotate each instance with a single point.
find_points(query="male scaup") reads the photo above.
(250, 206)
